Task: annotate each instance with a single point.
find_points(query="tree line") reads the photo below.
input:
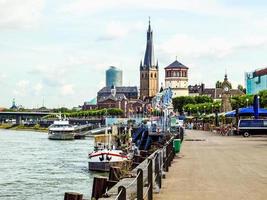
(90, 113)
(205, 104)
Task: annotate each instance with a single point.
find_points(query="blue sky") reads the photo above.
(59, 50)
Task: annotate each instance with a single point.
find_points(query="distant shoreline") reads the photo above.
(23, 128)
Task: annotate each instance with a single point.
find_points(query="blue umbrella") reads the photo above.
(249, 111)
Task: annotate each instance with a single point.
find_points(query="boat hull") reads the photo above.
(104, 159)
(61, 136)
(103, 166)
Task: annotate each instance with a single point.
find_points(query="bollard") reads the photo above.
(99, 187)
(73, 196)
(140, 184)
(122, 192)
(114, 173)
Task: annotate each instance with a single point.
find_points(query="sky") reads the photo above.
(57, 52)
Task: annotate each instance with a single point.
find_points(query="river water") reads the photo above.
(35, 168)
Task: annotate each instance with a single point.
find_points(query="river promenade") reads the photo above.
(215, 167)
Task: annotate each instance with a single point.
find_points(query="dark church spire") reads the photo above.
(149, 55)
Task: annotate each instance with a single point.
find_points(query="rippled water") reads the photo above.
(33, 167)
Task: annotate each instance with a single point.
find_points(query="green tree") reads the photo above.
(263, 98)
(203, 99)
(218, 84)
(241, 88)
(180, 102)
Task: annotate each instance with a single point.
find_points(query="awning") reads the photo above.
(249, 111)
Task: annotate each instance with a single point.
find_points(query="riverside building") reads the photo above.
(176, 78)
(113, 77)
(256, 81)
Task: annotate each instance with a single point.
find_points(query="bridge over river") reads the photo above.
(37, 116)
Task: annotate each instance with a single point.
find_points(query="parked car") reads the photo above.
(247, 127)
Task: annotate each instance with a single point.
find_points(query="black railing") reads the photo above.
(161, 160)
(147, 178)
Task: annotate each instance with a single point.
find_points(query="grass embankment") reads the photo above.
(23, 128)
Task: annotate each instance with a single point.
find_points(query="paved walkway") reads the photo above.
(219, 168)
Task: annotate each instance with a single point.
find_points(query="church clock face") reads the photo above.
(226, 89)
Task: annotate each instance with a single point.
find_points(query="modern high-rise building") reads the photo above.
(113, 77)
(256, 81)
(149, 72)
(176, 77)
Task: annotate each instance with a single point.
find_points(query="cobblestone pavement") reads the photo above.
(213, 167)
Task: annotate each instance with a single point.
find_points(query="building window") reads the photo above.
(142, 75)
(155, 75)
(151, 75)
(146, 75)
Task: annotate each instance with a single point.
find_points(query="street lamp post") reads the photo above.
(204, 110)
(247, 102)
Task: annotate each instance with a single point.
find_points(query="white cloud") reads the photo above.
(67, 89)
(217, 47)
(2, 77)
(207, 7)
(38, 88)
(117, 30)
(51, 75)
(22, 88)
(20, 14)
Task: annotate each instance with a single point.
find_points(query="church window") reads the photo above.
(151, 75)
(146, 75)
(142, 75)
(155, 75)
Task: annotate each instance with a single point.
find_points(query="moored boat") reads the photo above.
(61, 130)
(103, 159)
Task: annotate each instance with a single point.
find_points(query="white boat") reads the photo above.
(102, 158)
(61, 130)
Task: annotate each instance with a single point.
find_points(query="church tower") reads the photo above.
(149, 79)
(226, 96)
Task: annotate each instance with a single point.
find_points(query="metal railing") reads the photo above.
(160, 161)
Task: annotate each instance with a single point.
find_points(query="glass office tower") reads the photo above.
(256, 81)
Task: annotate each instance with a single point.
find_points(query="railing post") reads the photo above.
(140, 184)
(150, 179)
(122, 191)
(167, 157)
(160, 167)
(157, 168)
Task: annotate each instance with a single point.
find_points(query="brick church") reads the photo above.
(149, 70)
